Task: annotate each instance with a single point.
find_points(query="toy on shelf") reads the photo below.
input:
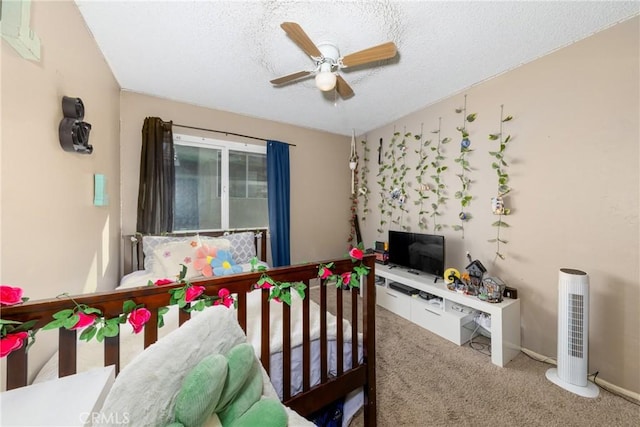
(452, 279)
(475, 271)
(492, 289)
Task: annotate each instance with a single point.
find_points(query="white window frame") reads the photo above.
(225, 147)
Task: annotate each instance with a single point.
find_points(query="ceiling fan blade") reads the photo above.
(290, 77)
(298, 35)
(376, 53)
(343, 87)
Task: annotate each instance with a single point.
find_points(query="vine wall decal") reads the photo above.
(439, 188)
(423, 188)
(500, 166)
(463, 195)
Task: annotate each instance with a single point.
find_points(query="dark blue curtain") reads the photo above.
(279, 190)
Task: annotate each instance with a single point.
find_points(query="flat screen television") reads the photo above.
(418, 252)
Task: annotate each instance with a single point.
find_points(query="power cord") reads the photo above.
(627, 398)
(483, 348)
(551, 361)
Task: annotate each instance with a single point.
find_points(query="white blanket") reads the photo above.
(146, 389)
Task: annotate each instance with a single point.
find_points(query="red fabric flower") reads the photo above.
(161, 282)
(138, 317)
(225, 298)
(84, 320)
(10, 295)
(265, 285)
(325, 273)
(193, 292)
(356, 253)
(12, 342)
(346, 277)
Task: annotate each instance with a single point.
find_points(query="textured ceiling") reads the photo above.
(222, 54)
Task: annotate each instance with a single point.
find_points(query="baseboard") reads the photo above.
(611, 387)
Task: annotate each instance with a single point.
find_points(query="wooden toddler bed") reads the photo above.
(335, 382)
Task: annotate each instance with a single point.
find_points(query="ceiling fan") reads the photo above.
(328, 61)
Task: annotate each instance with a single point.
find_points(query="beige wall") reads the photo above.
(53, 239)
(573, 162)
(320, 176)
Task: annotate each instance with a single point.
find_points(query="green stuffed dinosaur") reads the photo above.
(231, 387)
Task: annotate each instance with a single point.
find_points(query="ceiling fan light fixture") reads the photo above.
(325, 80)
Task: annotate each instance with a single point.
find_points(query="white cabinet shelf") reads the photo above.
(450, 314)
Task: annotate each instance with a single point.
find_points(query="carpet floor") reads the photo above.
(425, 380)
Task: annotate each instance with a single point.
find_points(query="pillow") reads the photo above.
(170, 255)
(146, 388)
(151, 243)
(223, 264)
(201, 390)
(243, 246)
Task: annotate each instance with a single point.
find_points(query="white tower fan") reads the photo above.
(573, 334)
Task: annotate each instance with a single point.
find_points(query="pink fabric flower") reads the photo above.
(138, 317)
(265, 285)
(161, 282)
(12, 342)
(10, 295)
(325, 273)
(84, 320)
(193, 292)
(356, 253)
(225, 298)
(346, 277)
(204, 255)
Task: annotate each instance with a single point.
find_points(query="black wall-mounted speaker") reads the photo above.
(73, 131)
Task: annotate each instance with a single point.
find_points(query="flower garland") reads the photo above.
(93, 324)
(349, 278)
(191, 297)
(14, 334)
(278, 291)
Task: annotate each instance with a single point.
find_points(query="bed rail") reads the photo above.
(311, 399)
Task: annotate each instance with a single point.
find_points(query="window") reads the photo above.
(219, 184)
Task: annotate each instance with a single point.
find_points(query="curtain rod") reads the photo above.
(227, 133)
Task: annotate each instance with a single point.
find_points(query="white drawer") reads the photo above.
(429, 316)
(394, 301)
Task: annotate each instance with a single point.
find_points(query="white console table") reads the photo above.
(451, 318)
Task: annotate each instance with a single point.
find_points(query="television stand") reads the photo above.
(449, 314)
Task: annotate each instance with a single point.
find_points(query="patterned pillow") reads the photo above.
(243, 246)
(151, 243)
(169, 256)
